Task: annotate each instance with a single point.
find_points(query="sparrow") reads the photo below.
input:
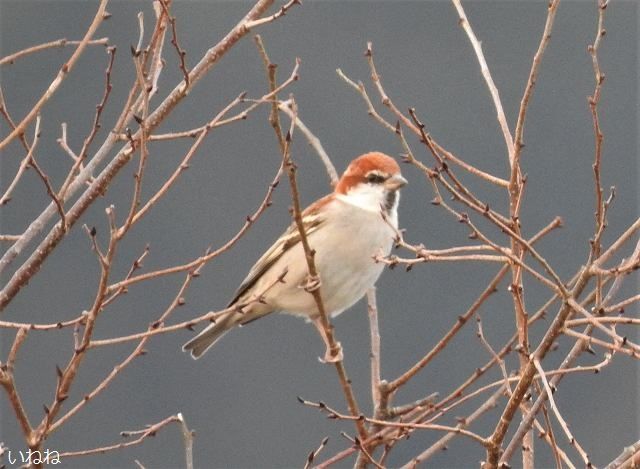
(347, 230)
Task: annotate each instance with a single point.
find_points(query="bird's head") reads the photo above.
(372, 182)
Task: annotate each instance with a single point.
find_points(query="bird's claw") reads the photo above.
(331, 356)
(311, 284)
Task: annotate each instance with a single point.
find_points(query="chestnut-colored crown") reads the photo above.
(357, 170)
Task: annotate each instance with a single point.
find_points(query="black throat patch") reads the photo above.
(390, 200)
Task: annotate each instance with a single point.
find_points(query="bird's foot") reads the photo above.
(311, 284)
(332, 356)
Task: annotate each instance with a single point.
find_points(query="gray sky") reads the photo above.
(241, 397)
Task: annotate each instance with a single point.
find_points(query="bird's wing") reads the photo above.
(312, 219)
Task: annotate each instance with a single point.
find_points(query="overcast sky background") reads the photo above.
(241, 397)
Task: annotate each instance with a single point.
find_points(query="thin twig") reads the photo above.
(314, 454)
(462, 320)
(270, 70)
(249, 221)
(442, 442)
(11, 58)
(484, 68)
(334, 347)
(24, 164)
(7, 381)
(594, 100)
(174, 41)
(149, 431)
(268, 19)
(62, 74)
(556, 411)
(82, 156)
(314, 142)
(629, 458)
(46, 246)
(372, 308)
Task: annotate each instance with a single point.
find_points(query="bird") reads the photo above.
(346, 229)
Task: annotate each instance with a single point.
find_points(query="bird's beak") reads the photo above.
(395, 182)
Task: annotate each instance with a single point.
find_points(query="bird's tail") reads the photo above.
(212, 333)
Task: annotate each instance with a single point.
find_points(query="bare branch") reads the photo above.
(484, 68)
(32, 264)
(149, 431)
(556, 411)
(334, 349)
(64, 71)
(11, 58)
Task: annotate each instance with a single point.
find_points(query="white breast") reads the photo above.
(345, 249)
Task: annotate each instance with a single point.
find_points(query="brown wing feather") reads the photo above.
(311, 221)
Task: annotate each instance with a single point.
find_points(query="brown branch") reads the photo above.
(42, 251)
(375, 77)
(30, 161)
(497, 358)
(593, 101)
(149, 431)
(592, 320)
(442, 442)
(11, 58)
(444, 341)
(64, 144)
(142, 146)
(403, 425)
(334, 348)
(249, 221)
(462, 320)
(24, 164)
(552, 8)
(174, 41)
(393, 260)
(527, 375)
(178, 300)
(67, 375)
(359, 87)
(515, 192)
(270, 70)
(484, 68)
(62, 74)
(82, 156)
(84, 177)
(268, 19)
(314, 454)
(629, 458)
(45, 179)
(608, 331)
(458, 190)
(184, 164)
(623, 238)
(7, 381)
(556, 411)
(313, 141)
(622, 304)
(573, 354)
(41, 327)
(384, 434)
(5, 113)
(612, 347)
(210, 317)
(372, 309)
(137, 264)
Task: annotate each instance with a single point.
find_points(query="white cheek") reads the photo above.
(365, 196)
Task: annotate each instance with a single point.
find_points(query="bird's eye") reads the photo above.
(375, 178)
